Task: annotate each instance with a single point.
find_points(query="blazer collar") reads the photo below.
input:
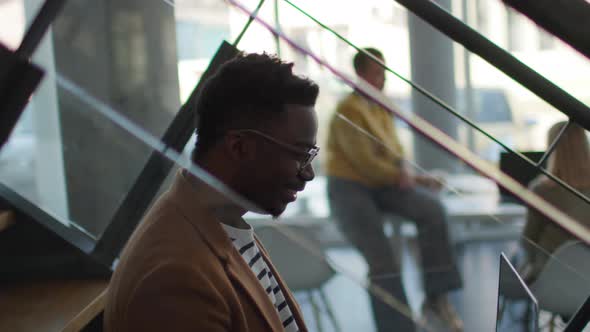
(198, 203)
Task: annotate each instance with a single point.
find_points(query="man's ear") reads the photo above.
(237, 147)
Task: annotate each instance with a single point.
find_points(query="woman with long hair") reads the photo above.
(570, 162)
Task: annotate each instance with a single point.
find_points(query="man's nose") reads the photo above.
(307, 173)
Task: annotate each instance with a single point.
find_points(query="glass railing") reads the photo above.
(90, 129)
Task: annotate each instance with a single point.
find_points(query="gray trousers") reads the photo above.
(359, 212)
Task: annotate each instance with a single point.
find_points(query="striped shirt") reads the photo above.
(243, 241)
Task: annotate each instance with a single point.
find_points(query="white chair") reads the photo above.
(300, 261)
(564, 283)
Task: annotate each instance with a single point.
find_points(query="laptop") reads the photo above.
(517, 308)
(519, 170)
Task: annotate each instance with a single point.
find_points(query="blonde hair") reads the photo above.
(570, 161)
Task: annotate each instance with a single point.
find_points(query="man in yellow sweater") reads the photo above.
(367, 178)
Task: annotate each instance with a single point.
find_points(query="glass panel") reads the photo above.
(389, 253)
(15, 17)
(481, 224)
(124, 55)
(483, 94)
(127, 62)
(79, 180)
(202, 25)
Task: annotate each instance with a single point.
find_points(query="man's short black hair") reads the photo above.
(360, 59)
(245, 93)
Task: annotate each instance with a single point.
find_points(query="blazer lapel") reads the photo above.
(193, 204)
(293, 305)
(241, 274)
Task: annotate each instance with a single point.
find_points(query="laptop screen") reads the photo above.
(517, 308)
(519, 170)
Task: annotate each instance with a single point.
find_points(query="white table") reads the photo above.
(472, 205)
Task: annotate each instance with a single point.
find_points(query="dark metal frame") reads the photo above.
(247, 25)
(45, 16)
(448, 24)
(18, 80)
(553, 145)
(566, 19)
(77, 238)
(18, 77)
(580, 319)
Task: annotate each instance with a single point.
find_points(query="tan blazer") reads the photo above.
(180, 272)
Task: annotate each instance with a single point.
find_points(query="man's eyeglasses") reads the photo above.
(310, 154)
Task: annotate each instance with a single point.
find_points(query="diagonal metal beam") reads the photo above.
(18, 80)
(247, 25)
(45, 16)
(566, 19)
(553, 144)
(443, 21)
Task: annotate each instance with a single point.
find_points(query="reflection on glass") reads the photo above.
(124, 55)
(512, 288)
(101, 158)
(570, 163)
(368, 179)
(503, 217)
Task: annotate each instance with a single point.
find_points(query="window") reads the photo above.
(197, 41)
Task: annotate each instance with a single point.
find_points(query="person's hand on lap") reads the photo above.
(431, 182)
(406, 179)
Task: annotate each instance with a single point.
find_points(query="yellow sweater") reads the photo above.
(352, 154)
